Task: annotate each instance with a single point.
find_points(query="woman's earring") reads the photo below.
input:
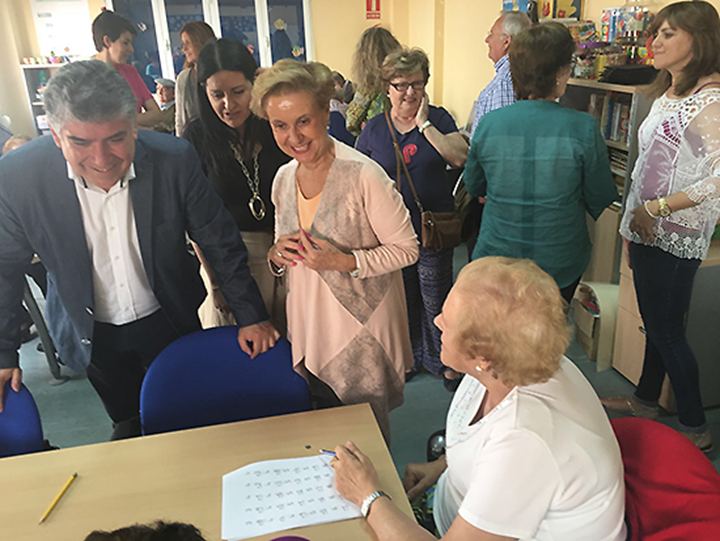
(478, 368)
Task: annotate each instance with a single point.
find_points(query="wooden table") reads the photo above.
(178, 476)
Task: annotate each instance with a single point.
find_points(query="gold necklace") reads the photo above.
(256, 204)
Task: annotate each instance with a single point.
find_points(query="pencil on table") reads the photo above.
(57, 498)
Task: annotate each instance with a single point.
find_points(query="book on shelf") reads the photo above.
(612, 111)
(595, 105)
(615, 128)
(606, 116)
(625, 123)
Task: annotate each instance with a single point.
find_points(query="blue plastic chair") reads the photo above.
(20, 427)
(204, 379)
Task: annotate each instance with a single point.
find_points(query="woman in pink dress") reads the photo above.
(342, 236)
(113, 36)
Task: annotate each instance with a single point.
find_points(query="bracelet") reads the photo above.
(367, 502)
(355, 273)
(645, 206)
(276, 271)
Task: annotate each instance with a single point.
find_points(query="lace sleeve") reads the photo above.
(705, 130)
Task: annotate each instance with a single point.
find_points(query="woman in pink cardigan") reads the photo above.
(342, 236)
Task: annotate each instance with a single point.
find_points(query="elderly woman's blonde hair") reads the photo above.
(287, 76)
(513, 316)
(404, 63)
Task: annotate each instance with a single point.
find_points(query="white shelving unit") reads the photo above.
(33, 77)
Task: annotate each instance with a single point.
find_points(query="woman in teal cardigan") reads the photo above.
(541, 166)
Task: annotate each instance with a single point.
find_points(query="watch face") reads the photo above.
(665, 212)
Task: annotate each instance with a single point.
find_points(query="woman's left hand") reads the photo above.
(355, 475)
(423, 111)
(321, 255)
(642, 224)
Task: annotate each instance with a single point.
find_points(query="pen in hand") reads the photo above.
(326, 452)
(57, 498)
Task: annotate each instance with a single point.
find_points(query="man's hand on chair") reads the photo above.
(258, 338)
(6, 374)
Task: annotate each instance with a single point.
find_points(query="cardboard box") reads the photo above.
(595, 332)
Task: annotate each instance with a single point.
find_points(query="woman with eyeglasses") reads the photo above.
(541, 166)
(429, 140)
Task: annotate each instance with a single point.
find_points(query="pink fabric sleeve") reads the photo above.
(390, 220)
(131, 75)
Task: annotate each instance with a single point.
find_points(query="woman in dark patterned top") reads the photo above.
(240, 157)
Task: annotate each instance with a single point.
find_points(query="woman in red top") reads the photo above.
(113, 36)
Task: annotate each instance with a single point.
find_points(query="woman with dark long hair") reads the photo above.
(240, 157)
(673, 206)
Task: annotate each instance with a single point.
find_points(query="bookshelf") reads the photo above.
(35, 77)
(619, 109)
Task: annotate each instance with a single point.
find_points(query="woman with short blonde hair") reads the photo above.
(404, 63)
(530, 451)
(342, 234)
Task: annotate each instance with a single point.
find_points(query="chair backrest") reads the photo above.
(20, 427)
(672, 489)
(204, 378)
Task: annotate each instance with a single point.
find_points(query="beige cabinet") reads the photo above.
(702, 324)
(629, 349)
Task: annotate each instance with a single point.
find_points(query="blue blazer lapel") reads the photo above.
(141, 195)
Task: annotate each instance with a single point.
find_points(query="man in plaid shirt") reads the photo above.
(500, 92)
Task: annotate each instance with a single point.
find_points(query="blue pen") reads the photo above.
(326, 452)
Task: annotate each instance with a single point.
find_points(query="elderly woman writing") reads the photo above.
(342, 234)
(542, 167)
(428, 140)
(530, 451)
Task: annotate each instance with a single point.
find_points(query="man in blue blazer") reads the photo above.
(107, 208)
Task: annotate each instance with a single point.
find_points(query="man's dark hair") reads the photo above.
(159, 531)
(110, 24)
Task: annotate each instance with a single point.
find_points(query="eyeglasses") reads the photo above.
(402, 87)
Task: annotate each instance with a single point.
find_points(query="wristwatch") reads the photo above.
(425, 126)
(355, 273)
(664, 209)
(367, 502)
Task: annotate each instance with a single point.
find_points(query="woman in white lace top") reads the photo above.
(673, 206)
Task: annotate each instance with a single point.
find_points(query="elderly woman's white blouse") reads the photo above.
(542, 465)
(679, 151)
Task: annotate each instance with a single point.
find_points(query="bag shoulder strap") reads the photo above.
(401, 160)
